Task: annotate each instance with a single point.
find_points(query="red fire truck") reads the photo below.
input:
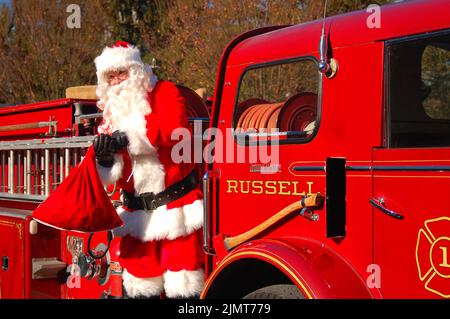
(352, 203)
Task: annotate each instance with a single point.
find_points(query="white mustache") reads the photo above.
(115, 90)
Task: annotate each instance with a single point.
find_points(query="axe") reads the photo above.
(306, 202)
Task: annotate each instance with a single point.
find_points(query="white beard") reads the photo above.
(124, 100)
(124, 108)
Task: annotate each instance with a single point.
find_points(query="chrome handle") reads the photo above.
(379, 202)
(206, 178)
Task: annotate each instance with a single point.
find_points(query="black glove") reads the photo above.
(121, 140)
(104, 148)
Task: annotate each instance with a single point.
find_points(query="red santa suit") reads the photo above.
(160, 249)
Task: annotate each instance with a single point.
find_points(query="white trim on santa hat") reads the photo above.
(116, 58)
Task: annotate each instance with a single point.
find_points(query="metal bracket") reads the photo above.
(52, 126)
(309, 214)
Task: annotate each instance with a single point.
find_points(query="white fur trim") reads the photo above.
(109, 175)
(146, 287)
(162, 223)
(149, 175)
(135, 126)
(193, 216)
(183, 283)
(116, 58)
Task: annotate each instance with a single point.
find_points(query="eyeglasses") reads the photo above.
(120, 75)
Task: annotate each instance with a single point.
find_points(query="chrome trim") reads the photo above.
(22, 197)
(28, 172)
(67, 162)
(42, 172)
(35, 171)
(358, 168)
(379, 203)
(422, 168)
(308, 168)
(54, 168)
(11, 172)
(61, 167)
(60, 142)
(47, 172)
(15, 213)
(19, 175)
(215, 173)
(24, 169)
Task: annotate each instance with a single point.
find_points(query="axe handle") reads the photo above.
(25, 126)
(6, 128)
(310, 201)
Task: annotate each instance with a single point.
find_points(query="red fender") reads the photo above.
(317, 271)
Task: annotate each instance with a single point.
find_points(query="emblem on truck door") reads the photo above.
(433, 256)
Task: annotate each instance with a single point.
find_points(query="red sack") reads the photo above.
(80, 203)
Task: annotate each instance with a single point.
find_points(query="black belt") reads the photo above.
(151, 201)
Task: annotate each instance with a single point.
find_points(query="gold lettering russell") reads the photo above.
(259, 187)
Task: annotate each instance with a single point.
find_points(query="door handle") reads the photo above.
(379, 203)
(206, 196)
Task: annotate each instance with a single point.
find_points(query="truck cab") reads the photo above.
(372, 136)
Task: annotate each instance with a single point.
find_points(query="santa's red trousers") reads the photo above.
(153, 258)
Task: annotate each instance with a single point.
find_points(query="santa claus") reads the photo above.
(162, 207)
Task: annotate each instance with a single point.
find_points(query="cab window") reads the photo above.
(278, 99)
(418, 92)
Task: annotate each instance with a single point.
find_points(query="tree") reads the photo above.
(140, 22)
(200, 30)
(40, 56)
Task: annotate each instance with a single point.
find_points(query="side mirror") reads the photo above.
(335, 197)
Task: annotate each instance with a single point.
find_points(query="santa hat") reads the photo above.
(121, 55)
